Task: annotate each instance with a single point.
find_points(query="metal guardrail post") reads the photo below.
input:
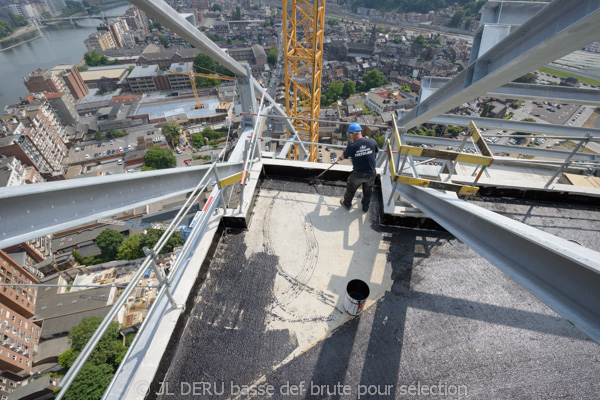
(159, 275)
(452, 165)
(568, 159)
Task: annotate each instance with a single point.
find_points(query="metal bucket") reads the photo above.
(357, 292)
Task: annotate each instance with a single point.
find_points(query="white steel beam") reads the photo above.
(560, 28)
(521, 126)
(526, 91)
(170, 18)
(562, 274)
(31, 211)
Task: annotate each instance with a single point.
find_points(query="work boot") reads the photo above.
(344, 205)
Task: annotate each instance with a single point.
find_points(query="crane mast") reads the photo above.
(303, 27)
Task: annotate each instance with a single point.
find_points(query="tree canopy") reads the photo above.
(207, 65)
(349, 89)
(108, 241)
(419, 42)
(527, 78)
(159, 158)
(5, 29)
(18, 20)
(237, 14)
(273, 56)
(131, 249)
(97, 372)
(171, 131)
(95, 59)
(333, 22)
(373, 79)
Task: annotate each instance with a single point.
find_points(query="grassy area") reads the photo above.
(569, 144)
(562, 74)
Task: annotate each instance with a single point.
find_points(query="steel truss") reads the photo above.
(303, 27)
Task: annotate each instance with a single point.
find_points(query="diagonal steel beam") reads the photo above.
(562, 274)
(31, 211)
(560, 28)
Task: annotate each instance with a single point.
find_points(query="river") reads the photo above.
(60, 44)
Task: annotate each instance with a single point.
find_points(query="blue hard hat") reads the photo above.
(354, 127)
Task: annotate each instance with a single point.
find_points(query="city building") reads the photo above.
(100, 41)
(178, 82)
(61, 78)
(33, 134)
(107, 79)
(63, 107)
(73, 80)
(165, 58)
(55, 7)
(19, 336)
(141, 80)
(14, 173)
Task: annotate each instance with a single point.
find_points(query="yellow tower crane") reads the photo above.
(303, 26)
(193, 83)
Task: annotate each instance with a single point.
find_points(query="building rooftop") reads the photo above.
(271, 311)
(168, 109)
(142, 71)
(93, 74)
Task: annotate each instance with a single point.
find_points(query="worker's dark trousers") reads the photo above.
(354, 181)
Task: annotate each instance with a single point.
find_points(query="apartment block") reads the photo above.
(33, 134)
(20, 299)
(100, 41)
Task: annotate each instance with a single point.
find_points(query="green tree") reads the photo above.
(98, 135)
(81, 334)
(205, 65)
(18, 20)
(237, 14)
(131, 248)
(90, 383)
(453, 130)
(216, 7)
(349, 89)
(405, 88)
(373, 79)
(46, 15)
(380, 139)
(163, 40)
(78, 257)
(398, 40)
(108, 241)
(527, 78)
(437, 41)
(273, 56)
(333, 22)
(159, 158)
(151, 238)
(156, 25)
(171, 131)
(224, 71)
(5, 29)
(456, 18)
(419, 42)
(82, 68)
(334, 91)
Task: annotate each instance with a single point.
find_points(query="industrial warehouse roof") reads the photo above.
(270, 311)
(157, 111)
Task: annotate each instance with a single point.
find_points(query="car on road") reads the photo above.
(103, 153)
(112, 141)
(120, 162)
(95, 155)
(113, 151)
(87, 156)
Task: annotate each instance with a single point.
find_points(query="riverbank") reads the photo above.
(20, 43)
(20, 32)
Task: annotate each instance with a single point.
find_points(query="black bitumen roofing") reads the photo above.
(450, 320)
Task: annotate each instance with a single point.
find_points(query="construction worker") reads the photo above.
(362, 151)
